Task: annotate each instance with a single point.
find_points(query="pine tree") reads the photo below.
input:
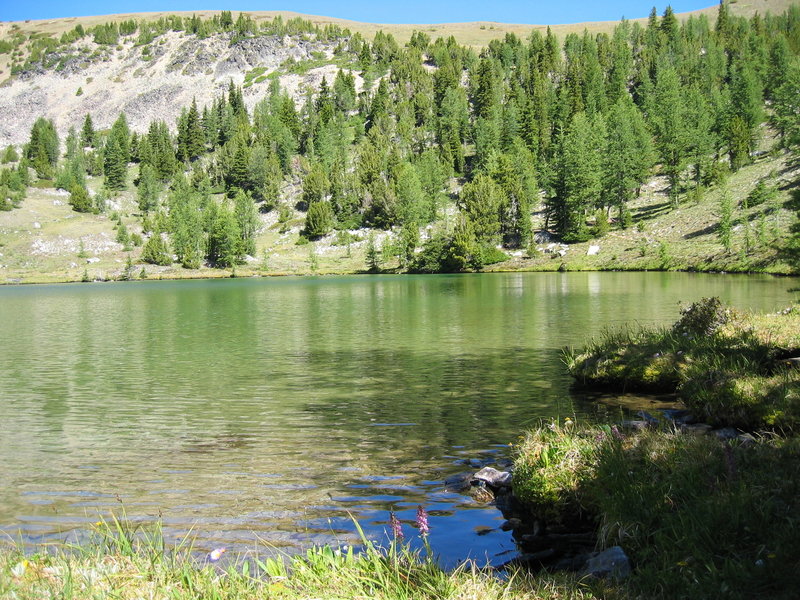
(244, 211)
(237, 177)
(87, 132)
(185, 224)
(156, 251)
(122, 134)
(193, 134)
(114, 165)
(224, 238)
(148, 189)
(42, 150)
(480, 202)
(629, 155)
(670, 120)
(746, 114)
(319, 219)
(579, 179)
(79, 199)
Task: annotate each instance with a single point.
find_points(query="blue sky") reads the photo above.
(375, 11)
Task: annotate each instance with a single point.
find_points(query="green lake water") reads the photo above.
(272, 409)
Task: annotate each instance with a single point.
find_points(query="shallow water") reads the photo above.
(255, 411)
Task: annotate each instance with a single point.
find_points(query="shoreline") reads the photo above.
(196, 275)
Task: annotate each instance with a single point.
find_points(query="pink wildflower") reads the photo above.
(422, 521)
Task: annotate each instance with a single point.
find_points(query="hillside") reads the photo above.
(406, 146)
(183, 67)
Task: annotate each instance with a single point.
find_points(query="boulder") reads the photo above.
(611, 563)
(493, 478)
(726, 433)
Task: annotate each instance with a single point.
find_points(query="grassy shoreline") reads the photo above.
(122, 564)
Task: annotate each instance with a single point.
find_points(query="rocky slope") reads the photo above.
(152, 82)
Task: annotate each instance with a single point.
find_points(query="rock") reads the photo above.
(459, 482)
(480, 493)
(696, 428)
(37, 225)
(511, 524)
(542, 237)
(612, 563)
(726, 433)
(593, 250)
(636, 425)
(679, 416)
(92, 260)
(493, 478)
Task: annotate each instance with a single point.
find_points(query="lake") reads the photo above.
(269, 411)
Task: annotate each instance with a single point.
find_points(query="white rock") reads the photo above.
(593, 250)
(37, 225)
(92, 260)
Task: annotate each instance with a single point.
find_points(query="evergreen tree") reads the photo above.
(114, 165)
(156, 251)
(579, 179)
(42, 149)
(121, 133)
(79, 199)
(480, 202)
(224, 237)
(87, 132)
(191, 136)
(786, 107)
(148, 189)
(629, 155)
(244, 211)
(319, 219)
(670, 120)
(185, 224)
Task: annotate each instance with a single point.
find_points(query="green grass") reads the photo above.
(727, 367)
(125, 562)
(699, 517)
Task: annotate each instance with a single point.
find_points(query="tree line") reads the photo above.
(573, 129)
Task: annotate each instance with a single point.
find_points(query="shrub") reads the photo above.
(319, 219)
(702, 318)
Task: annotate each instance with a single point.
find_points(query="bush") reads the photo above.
(319, 219)
(156, 252)
(79, 199)
(702, 318)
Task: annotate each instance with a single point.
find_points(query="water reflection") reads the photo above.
(254, 409)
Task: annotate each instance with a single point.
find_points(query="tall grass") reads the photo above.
(699, 517)
(127, 562)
